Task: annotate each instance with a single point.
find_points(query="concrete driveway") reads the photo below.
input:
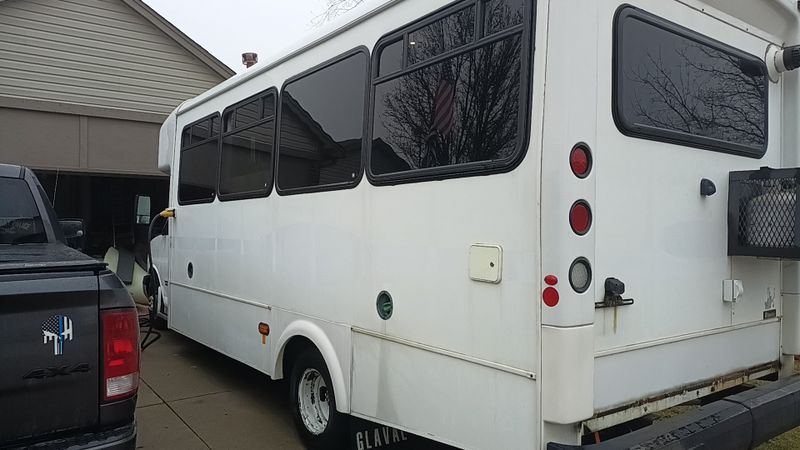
(192, 397)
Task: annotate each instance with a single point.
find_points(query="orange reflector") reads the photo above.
(263, 329)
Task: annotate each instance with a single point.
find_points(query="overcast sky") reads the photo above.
(228, 29)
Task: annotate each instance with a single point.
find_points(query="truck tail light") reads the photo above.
(120, 353)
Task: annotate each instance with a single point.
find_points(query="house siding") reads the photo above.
(97, 53)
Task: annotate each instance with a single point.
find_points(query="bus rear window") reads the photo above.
(674, 85)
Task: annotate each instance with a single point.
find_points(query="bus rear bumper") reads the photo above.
(740, 421)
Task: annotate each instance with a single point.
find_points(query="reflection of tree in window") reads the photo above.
(501, 14)
(443, 35)
(461, 110)
(677, 84)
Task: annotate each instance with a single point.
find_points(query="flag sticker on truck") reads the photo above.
(57, 329)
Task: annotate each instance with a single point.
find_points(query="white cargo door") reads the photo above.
(691, 101)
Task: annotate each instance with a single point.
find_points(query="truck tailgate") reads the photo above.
(49, 347)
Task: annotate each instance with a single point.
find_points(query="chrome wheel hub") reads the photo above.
(314, 401)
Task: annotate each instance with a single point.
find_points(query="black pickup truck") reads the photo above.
(68, 332)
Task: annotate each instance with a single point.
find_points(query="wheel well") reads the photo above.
(294, 348)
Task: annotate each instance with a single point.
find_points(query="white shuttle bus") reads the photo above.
(504, 224)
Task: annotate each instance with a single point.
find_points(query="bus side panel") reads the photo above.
(650, 368)
(442, 397)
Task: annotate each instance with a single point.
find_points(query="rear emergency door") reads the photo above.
(691, 102)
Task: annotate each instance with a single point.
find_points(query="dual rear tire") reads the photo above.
(313, 403)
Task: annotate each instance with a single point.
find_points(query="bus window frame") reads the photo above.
(526, 33)
(361, 49)
(627, 11)
(259, 193)
(182, 148)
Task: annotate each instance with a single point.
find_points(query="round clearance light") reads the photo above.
(580, 217)
(580, 275)
(580, 160)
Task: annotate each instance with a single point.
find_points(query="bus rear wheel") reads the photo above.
(313, 402)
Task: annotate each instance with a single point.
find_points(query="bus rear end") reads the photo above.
(671, 245)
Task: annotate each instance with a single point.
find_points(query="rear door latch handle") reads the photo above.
(613, 296)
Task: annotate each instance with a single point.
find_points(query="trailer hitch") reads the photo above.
(613, 296)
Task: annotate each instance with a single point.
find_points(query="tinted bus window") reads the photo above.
(321, 126)
(448, 33)
(454, 112)
(678, 86)
(197, 175)
(501, 14)
(247, 144)
(391, 59)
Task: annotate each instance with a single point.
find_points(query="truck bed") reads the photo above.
(48, 257)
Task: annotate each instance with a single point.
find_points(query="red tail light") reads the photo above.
(580, 217)
(120, 353)
(580, 160)
(550, 296)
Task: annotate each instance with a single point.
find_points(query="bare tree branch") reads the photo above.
(334, 9)
(699, 90)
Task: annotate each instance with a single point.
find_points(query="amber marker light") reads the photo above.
(263, 329)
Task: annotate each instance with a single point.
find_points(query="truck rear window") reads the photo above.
(674, 85)
(20, 222)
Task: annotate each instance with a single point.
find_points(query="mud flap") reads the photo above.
(741, 421)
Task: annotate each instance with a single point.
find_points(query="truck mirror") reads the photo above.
(142, 214)
(74, 232)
